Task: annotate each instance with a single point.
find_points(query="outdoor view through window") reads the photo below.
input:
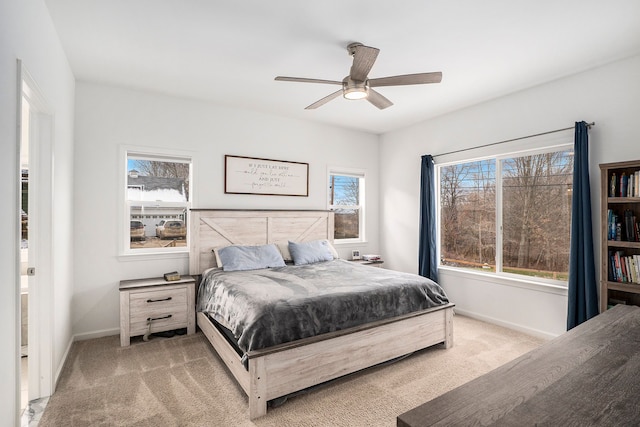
(534, 193)
(345, 199)
(157, 202)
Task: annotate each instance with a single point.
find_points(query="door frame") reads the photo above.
(40, 252)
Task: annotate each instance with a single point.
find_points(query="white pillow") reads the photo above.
(283, 247)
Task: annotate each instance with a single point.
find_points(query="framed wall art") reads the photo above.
(250, 175)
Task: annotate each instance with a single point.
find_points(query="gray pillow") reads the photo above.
(238, 258)
(283, 247)
(310, 252)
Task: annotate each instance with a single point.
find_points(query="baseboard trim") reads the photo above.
(56, 377)
(96, 334)
(530, 331)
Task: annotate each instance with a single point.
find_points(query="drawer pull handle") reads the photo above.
(158, 300)
(151, 319)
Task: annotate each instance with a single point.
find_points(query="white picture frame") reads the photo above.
(252, 175)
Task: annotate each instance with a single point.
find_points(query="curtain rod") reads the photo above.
(511, 140)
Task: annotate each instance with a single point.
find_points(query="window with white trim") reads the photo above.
(526, 198)
(157, 200)
(346, 200)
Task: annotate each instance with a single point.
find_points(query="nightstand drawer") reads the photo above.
(153, 301)
(165, 308)
(161, 322)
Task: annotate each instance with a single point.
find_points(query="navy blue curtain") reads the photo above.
(583, 296)
(427, 261)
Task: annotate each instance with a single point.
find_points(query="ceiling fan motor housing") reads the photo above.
(352, 89)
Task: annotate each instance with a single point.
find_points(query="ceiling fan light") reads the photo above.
(355, 93)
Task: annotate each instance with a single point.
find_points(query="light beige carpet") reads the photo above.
(180, 381)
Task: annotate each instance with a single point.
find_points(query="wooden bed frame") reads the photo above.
(283, 369)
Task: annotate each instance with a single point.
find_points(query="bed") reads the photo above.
(586, 376)
(267, 369)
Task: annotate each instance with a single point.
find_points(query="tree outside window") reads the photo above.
(346, 197)
(534, 196)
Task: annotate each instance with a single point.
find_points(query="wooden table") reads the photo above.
(587, 376)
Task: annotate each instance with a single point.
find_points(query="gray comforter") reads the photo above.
(266, 307)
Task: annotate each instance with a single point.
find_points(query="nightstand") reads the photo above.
(369, 263)
(166, 305)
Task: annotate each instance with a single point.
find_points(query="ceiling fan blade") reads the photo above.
(407, 79)
(305, 80)
(378, 100)
(324, 100)
(363, 59)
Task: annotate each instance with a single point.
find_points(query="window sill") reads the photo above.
(148, 256)
(552, 288)
(350, 243)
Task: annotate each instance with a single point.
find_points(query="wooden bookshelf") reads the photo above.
(615, 287)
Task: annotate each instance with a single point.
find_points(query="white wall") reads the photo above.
(26, 32)
(607, 95)
(108, 117)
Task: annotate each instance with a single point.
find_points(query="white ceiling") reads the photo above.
(229, 52)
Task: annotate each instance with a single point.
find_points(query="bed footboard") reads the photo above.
(284, 369)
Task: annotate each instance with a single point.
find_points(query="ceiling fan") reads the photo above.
(357, 85)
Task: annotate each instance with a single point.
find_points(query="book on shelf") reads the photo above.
(627, 271)
(625, 228)
(613, 185)
(625, 185)
(633, 189)
(629, 232)
(611, 224)
(172, 276)
(624, 268)
(617, 270)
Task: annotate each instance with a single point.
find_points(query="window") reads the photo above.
(346, 199)
(157, 199)
(526, 197)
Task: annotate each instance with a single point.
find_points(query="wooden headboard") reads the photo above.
(212, 228)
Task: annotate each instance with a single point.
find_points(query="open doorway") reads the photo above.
(34, 207)
(24, 256)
